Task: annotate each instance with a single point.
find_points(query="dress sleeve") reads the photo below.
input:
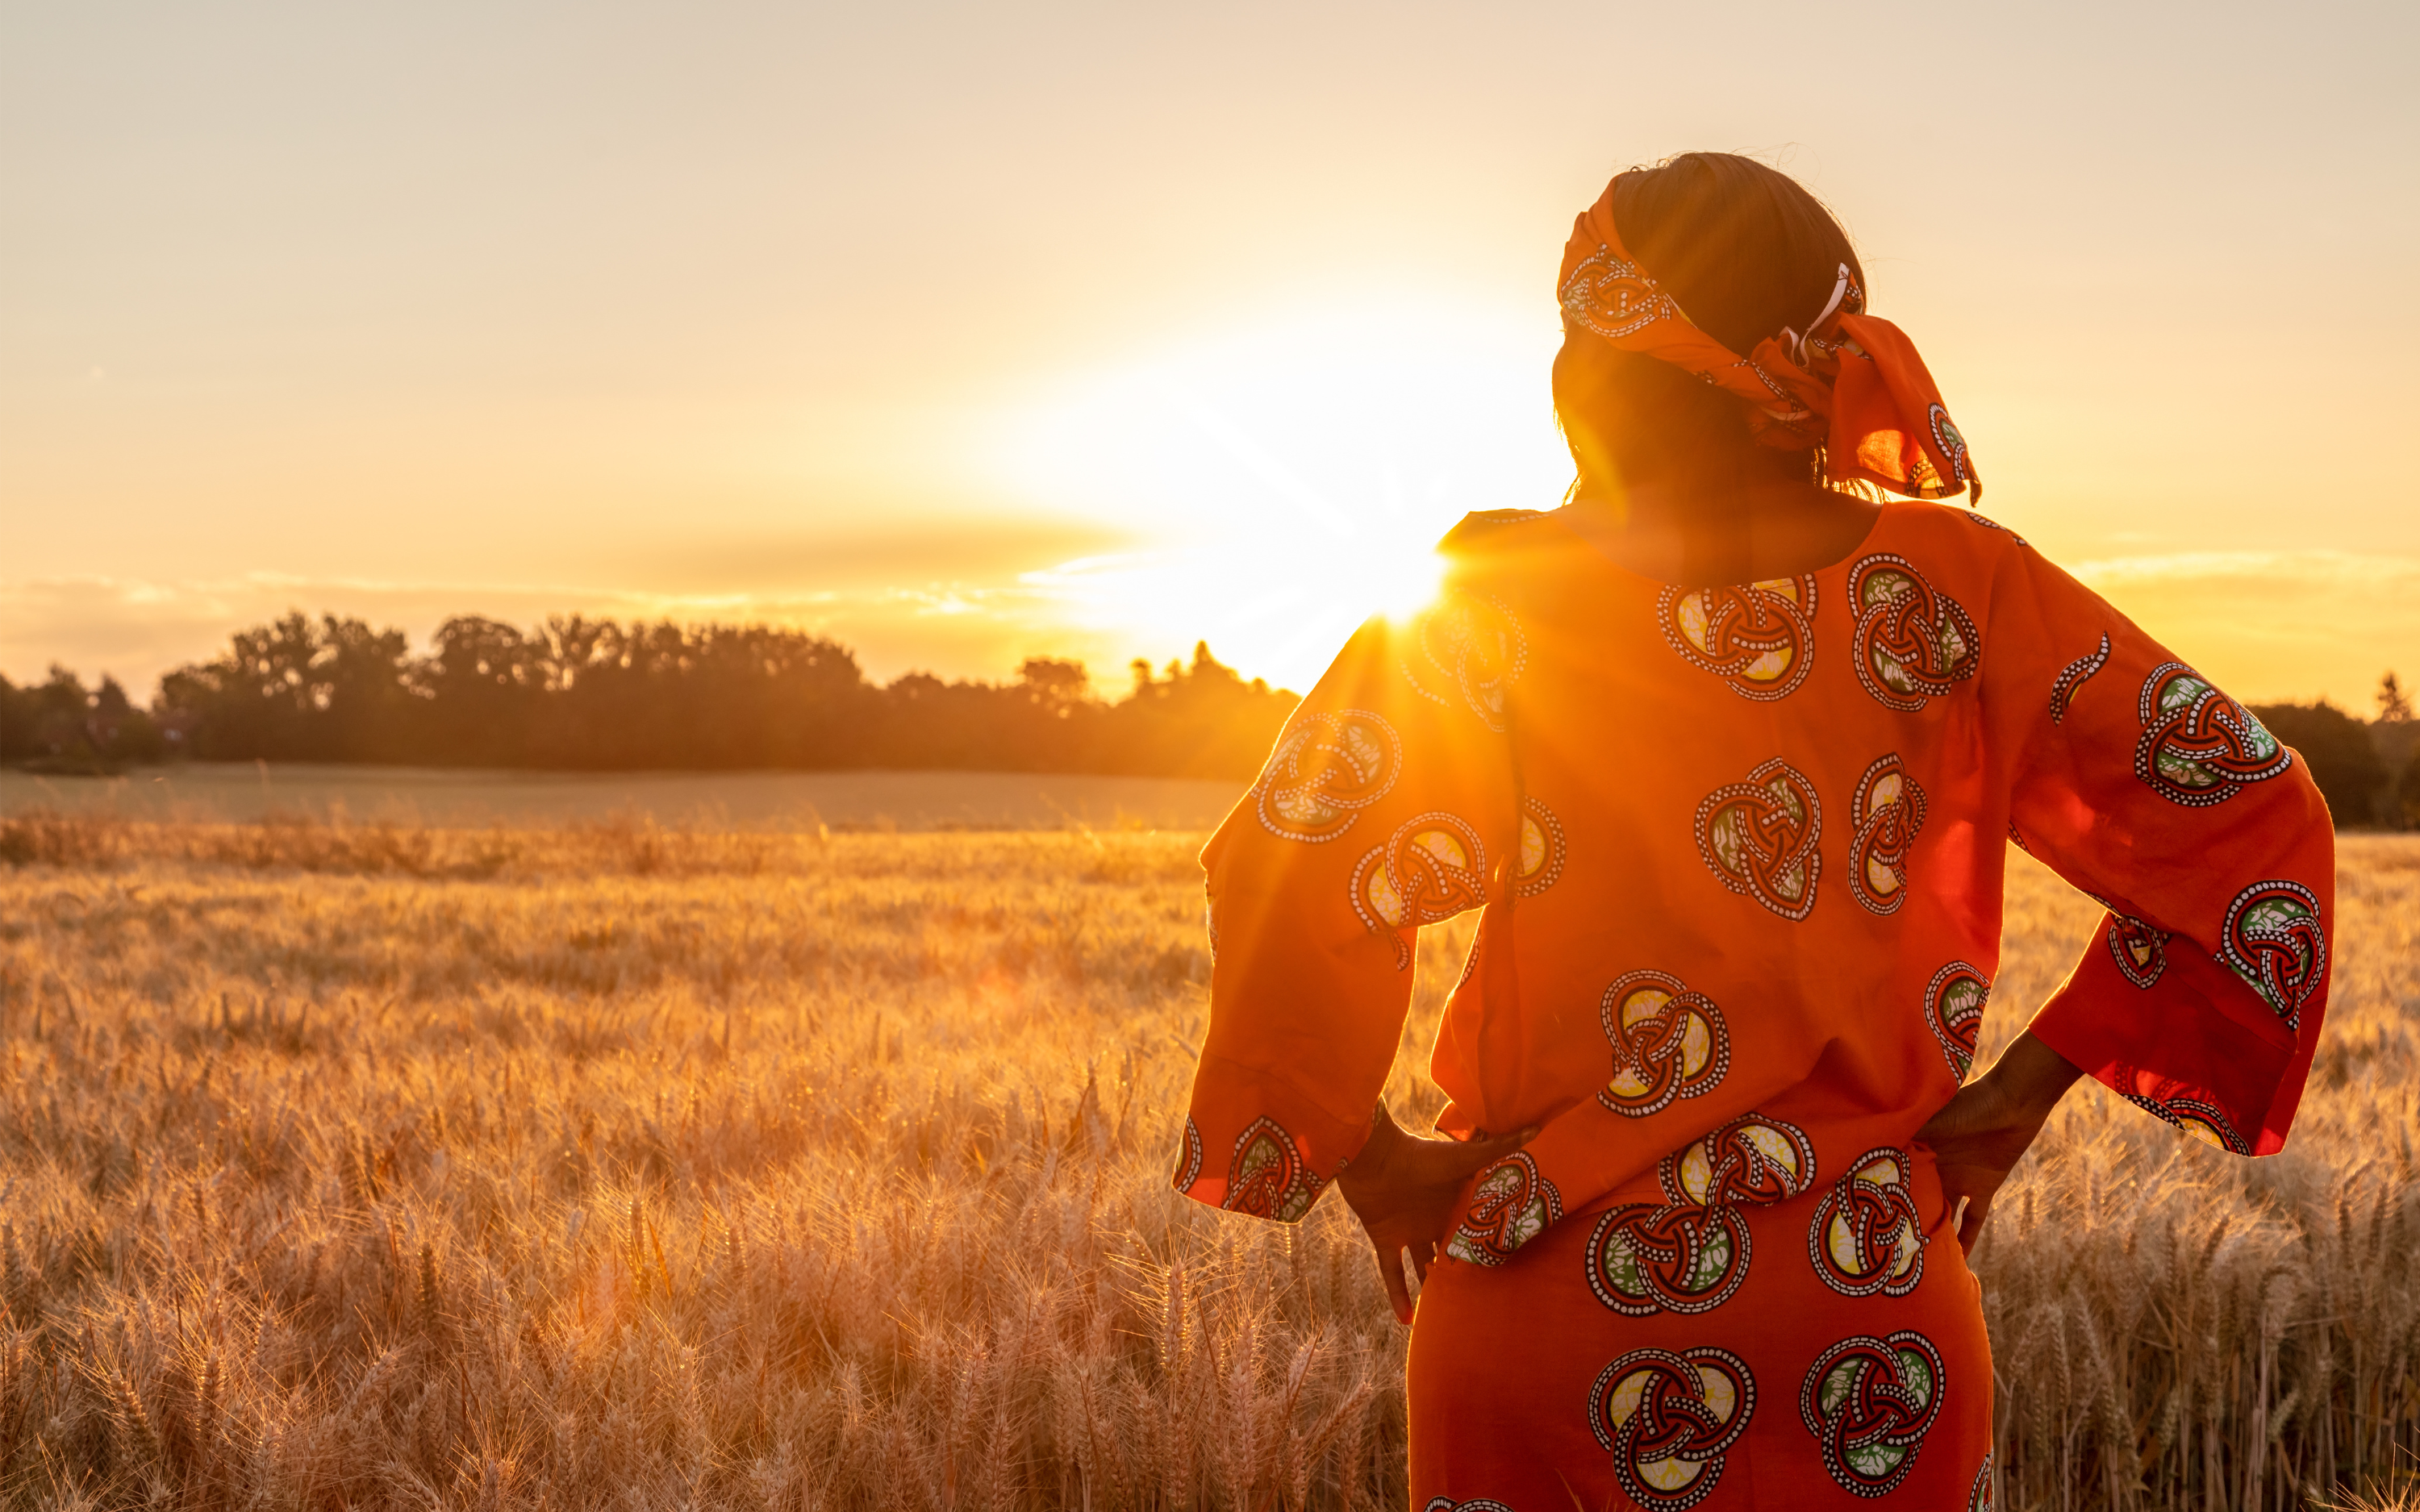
(2200, 996)
(1389, 802)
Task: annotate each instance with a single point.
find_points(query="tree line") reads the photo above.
(597, 695)
(2369, 772)
(577, 694)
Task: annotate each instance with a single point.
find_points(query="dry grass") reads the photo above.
(630, 1167)
(628, 843)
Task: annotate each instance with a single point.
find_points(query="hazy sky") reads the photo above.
(972, 333)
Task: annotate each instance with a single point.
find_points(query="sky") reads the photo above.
(963, 333)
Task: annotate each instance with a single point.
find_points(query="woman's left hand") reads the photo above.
(1979, 1135)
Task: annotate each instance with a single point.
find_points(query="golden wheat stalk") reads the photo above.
(369, 1166)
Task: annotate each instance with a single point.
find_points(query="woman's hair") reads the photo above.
(1746, 251)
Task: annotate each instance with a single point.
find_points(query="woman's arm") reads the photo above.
(2200, 996)
(1982, 1134)
(1388, 804)
(1404, 1188)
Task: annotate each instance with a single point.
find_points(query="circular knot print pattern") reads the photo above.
(2140, 951)
(1866, 1236)
(1760, 837)
(1188, 1169)
(2199, 746)
(1668, 1043)
(2206, 1122)
(1869, 1402)
(2176, 1104)
(1991, 524)
(1511, 1204)
(1667, 1419)
(1884, 815)
(1759, 637)
(1750, 1159)
(1468, 650)
(1951, 439)
(1543, 849)
(1614, 298)
(1983, 1499)
(1477, 1503)
(1676, 1257)
(2074, 675)
(1954, 1000)
(1912, 642)
(1326, 770)
(2274, 940)
(1268, 1178)
(1431, 869)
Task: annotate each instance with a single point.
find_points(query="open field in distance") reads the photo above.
(782, 802)
(622, 1166)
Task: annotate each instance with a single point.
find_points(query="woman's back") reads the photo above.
(1740, 851)
(1782, 809)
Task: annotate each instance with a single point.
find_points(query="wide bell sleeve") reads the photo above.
(1388, 803)
(2200, 996)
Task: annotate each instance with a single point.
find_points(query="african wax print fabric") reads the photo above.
(1740, 854)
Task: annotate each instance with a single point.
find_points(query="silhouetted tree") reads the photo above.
(714, 695)
(58, 726)
(1203, 720)
(2337, 750)
(336, 691)
(2393, 704)
(600, 695)
(18, 718)
(481, 693)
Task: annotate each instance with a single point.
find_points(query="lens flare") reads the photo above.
(1289, 481)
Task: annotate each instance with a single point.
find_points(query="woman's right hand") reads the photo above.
(1404, 1189)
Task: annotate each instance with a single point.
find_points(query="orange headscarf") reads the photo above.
(1852, 381)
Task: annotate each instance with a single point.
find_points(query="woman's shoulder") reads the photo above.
(1501, 549)
(1955, 549)
(1949, 527)
(1489, 532)
(1506, 554)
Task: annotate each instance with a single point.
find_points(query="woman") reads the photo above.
(1726, 750)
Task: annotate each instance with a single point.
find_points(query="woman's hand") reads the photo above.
(1404, 1189)
(1982, 1134)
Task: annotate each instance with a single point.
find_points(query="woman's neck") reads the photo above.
(1700, 538)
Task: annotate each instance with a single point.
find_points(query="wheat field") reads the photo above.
(618, 1168)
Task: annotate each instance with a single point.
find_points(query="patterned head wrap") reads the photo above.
(1850, 382)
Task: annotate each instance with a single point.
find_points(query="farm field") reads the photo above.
(626, 1167)
(782, 802)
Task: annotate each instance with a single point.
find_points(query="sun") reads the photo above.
(1289, 480)
(1400, 578)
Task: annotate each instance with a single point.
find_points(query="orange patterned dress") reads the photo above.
(1740, 857)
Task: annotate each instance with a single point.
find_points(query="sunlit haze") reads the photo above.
(1290, 478)
(969, 333)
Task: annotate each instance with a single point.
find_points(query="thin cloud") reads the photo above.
(2275, 624)
(2284, 570)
